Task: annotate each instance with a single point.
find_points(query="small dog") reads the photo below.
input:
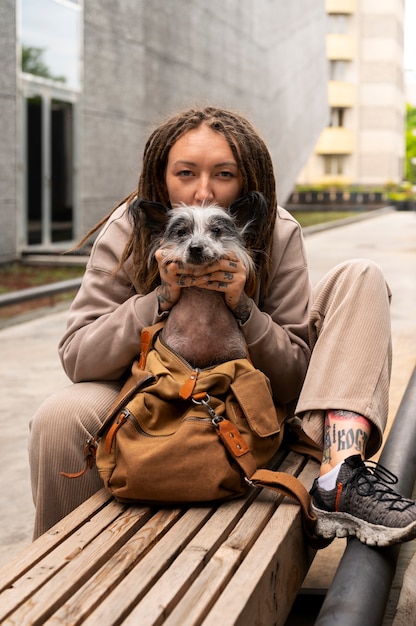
(200, 327)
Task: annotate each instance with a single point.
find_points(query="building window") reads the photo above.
(337, 23)
(333, 164)
(337, 117)
(337, 69)
(51, 40)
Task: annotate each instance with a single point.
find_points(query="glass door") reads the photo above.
(49, 170)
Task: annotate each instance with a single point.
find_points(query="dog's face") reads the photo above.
(199, 235)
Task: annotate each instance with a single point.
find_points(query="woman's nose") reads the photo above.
(204, 191)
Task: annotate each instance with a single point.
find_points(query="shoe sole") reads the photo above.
(330, 525)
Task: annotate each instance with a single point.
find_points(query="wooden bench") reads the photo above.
(239, 563)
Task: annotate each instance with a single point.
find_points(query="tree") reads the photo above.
(33, 63)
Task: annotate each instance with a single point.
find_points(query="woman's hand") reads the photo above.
(226, 275)
(169, 291)
(229, 277)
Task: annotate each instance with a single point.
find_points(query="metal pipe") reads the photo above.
(360, 590)
(33, 293)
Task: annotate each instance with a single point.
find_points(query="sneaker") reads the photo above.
(363, 505)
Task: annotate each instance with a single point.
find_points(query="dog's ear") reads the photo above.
(153, 215)
(250, 212)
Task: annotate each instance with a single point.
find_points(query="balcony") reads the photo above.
(341, 94)
(346, 7)
(335, 141)
(340, 47)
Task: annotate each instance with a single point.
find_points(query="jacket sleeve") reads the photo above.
(107, 315)
(277, 330)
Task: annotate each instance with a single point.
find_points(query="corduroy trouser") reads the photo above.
(349, 369)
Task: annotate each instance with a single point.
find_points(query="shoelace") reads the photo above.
(374, 479)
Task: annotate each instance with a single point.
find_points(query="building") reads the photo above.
(363, 143)
(83, 83)
(410, 81)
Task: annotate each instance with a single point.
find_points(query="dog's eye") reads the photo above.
(216, 230)
(182, 232)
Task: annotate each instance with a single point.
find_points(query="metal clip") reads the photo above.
(205, 402)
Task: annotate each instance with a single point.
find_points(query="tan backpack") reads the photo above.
(177, 435)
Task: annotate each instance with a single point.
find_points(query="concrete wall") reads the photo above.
(8, 144)
(144, 60)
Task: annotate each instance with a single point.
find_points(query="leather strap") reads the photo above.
(291, 487)
(146, 341)
(281, 482)
(90, 451)
(90, 448)
(236, 445)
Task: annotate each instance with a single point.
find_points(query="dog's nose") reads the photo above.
(195, 252)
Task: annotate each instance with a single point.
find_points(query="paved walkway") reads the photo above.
(30, 369)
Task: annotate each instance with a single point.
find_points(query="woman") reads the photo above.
(329, 350)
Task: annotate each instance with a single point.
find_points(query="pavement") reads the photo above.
(30, 369)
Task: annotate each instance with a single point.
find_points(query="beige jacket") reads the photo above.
(108, 313)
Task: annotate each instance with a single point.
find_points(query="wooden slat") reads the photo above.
(47, 542)
(81, 604)
(214, 577)
(71, 564)
(141, 578)
(264, 587)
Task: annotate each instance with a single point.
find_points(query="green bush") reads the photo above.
(410, 168)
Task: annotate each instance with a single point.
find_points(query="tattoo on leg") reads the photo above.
(351, 439)
(347, 415)
(326, 455)
(345, 432)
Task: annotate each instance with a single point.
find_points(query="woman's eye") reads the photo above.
(185, 173)
(226, 174)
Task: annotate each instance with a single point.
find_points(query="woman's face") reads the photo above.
(201, 168)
